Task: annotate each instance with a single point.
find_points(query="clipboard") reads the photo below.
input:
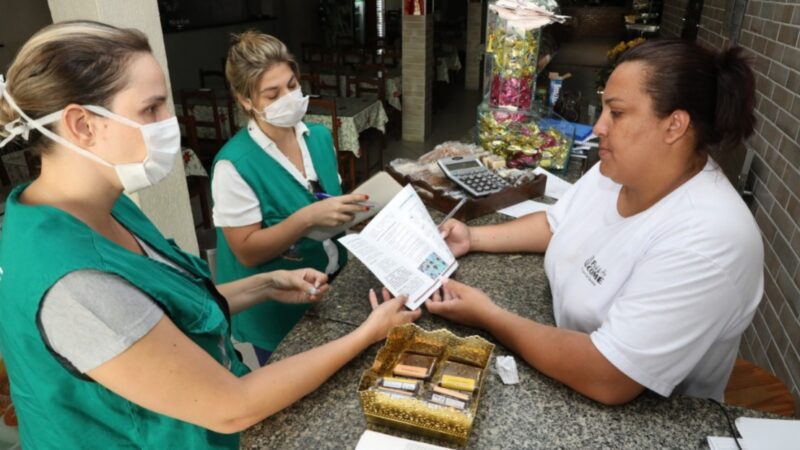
(380, 188)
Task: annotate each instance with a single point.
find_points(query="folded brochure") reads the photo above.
(403, 248)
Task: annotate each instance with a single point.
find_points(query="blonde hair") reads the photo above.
(251, 55)
(75, 62)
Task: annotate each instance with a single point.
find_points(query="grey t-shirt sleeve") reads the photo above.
(89, 317)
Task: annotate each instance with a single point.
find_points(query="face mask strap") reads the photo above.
(100, 111)
(50, 118)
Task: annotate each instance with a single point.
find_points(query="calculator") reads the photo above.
(468, 173)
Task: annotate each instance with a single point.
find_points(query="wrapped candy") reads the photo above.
(526, 138)
(514, 91)
(511, 67)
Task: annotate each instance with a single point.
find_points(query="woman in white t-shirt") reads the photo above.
(654, 261)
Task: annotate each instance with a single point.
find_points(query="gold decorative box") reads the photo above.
(415, 414)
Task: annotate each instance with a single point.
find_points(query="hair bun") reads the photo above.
(7, 115)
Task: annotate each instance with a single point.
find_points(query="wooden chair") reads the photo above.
(345, 160)
(752, 387)
(387, 56)
(310, 83)
(365, 84)
(188, 131)
(33, 162)
(312, 53)
(345, 41)
(198, 186)
(206, 98)
(371, 70)
(352, 56)
(324, 72)
(216, 81)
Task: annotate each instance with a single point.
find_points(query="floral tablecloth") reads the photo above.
(355, 115)
(191, 164)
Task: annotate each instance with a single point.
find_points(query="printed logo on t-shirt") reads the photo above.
(594, 273)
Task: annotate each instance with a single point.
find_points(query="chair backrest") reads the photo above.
(327, 106)
(352, 55)
(345, 160)
(327, 76)
(362, 84)
(312, 53)
(189, 132)
(345, 41)
(194, 99)
(372, 70)
(310, 83)
(387, 56)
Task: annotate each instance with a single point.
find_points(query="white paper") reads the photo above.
(556, 187)
(769, 434)
(372, 440)
(725, 443)
(524, 208)
(507, 368)
(402, 247)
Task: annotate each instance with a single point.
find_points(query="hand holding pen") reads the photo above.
(332, 211)
(325, 196)
(455, 234)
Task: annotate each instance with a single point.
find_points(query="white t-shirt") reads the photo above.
(665, 294)
(235, 202)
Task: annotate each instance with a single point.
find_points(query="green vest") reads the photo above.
(58, 407)
(279, 195)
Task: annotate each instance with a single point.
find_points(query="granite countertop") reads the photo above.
(536, 413)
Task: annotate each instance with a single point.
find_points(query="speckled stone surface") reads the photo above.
(536, 413)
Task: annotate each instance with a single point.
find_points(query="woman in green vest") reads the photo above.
(271, 183)
(112, 336)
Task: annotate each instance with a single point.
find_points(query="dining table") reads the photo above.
(355, 114)
(537, 412)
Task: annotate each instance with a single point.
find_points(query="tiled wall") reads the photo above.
(671, 18)
(417, 77)
(771, 34)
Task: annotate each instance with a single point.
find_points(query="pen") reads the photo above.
(453, 211)
(323, 196)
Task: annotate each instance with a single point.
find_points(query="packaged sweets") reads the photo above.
(458, 376)
(404, 384)
(414, 365)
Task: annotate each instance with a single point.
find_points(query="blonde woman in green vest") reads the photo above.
(266, 182)
(112, 336)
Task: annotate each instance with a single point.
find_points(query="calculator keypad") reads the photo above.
(483, 182)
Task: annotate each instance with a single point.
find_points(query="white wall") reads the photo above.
(166, 204)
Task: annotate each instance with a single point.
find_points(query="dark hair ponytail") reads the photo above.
(736, 97)
(716, 89)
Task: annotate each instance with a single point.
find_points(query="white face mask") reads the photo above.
(286, 111)
(162, 139)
